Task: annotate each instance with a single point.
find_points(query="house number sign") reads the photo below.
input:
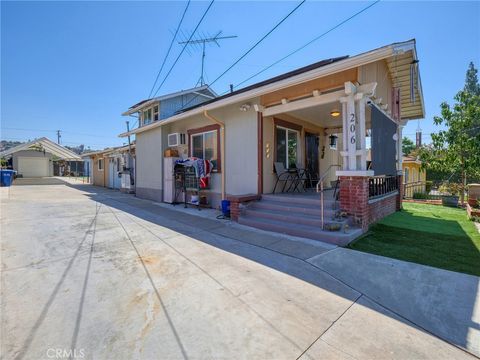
(352, 129)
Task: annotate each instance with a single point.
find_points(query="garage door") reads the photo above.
(33, 166)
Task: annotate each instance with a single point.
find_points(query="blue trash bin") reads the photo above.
(226, 208)
(6, 177)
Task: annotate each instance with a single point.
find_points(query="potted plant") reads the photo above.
(450, 192)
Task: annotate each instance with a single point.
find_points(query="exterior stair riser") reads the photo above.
(298, 200)
(314, 211)
(286, 218)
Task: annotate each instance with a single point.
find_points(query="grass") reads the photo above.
(426, 234)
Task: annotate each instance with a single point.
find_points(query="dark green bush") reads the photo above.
(420, 196)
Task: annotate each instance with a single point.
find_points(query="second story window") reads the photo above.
(155, 113)
(147, 116)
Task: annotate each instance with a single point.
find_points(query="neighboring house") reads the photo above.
(414, 177)
(315, 117)
(110, 166)
(38, 157)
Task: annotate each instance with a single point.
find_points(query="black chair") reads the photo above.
(283, 175)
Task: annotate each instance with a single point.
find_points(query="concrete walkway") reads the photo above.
(112, 276)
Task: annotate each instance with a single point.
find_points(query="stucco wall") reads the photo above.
(240, 149)
(330, 156)
(149, 160)
(32, 153)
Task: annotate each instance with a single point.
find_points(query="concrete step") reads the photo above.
(292, 208)
(311, 199)
(311, 232)
(293, 218)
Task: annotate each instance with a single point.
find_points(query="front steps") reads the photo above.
(299, 215)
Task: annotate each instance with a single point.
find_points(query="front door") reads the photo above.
(311, 157)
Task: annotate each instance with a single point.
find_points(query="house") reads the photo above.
(110, 167)
(317, 118)
(414, 177)
(37, 158)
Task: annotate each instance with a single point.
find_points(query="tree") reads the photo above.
(471, 80)
(407, 146)
(456, 149)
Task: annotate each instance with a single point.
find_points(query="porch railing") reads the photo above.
(320, 189)
(382, 185)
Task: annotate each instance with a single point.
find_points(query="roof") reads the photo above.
(196, 90)
(411, 159)
(55, 149)
(310, 72)
(109, 150)
(286, 75)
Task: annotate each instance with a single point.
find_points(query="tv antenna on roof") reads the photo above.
(200, 43)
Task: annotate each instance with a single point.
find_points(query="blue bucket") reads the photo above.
(226, 207)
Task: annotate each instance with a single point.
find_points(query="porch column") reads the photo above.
(354, 144)
(399, 148)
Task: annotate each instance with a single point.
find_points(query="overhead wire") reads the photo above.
(169, 48)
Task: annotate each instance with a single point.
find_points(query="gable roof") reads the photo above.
(204, 90)
(310, 72)
(49, 146)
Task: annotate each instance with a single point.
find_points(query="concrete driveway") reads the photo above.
(94, 274)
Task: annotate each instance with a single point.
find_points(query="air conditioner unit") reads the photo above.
(176, 139)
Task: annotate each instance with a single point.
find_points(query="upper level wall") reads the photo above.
(377, 72)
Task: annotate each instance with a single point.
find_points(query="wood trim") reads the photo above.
(287, 124)
(203, 129)
(260, 153)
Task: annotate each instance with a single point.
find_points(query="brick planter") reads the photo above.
(472, 212)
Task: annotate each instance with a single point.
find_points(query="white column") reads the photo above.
(344, 133)
(361, 143)
(351, 135)
(399, 148)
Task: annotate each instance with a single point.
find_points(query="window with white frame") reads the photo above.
(204, 145)
(100, 164)
(147, 116)
(155, 113)
(286, 146)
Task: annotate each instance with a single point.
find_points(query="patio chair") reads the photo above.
(283, 175)
(301, 179)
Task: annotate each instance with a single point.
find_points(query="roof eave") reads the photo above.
(347, 63)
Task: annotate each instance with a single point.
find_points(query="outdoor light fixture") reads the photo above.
(335, 113)
(245, 107)
(333, 141)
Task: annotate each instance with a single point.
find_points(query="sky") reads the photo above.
(76, 66)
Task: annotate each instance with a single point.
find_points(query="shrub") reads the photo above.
(450, 188)
(420, 195)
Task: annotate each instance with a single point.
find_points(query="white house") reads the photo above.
(292, 121)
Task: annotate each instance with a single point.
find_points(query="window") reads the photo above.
(155, 113)
(286, 146)
(147, 116)
(405, 177)
(100, 164)
(204, 144)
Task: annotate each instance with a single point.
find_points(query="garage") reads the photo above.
(36, 158)
(33, 166)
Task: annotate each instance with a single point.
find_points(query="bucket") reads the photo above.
(226, 207)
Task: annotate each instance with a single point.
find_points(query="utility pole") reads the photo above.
(201, 42)
(58, 137)
(130, 157)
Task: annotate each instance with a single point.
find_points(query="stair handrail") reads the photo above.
(320, 184)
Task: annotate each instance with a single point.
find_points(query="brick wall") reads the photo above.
(354, 200)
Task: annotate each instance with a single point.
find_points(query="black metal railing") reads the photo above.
(382, 185)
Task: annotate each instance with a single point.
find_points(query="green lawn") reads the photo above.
(426, 234)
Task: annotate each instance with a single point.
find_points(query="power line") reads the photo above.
(250, 50)
(310, 42)
(184, 46)
(169, 48)
(55, 131)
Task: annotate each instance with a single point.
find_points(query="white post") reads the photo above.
(351, 135)
(399, 148)
(344, 134)
(362, 145)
